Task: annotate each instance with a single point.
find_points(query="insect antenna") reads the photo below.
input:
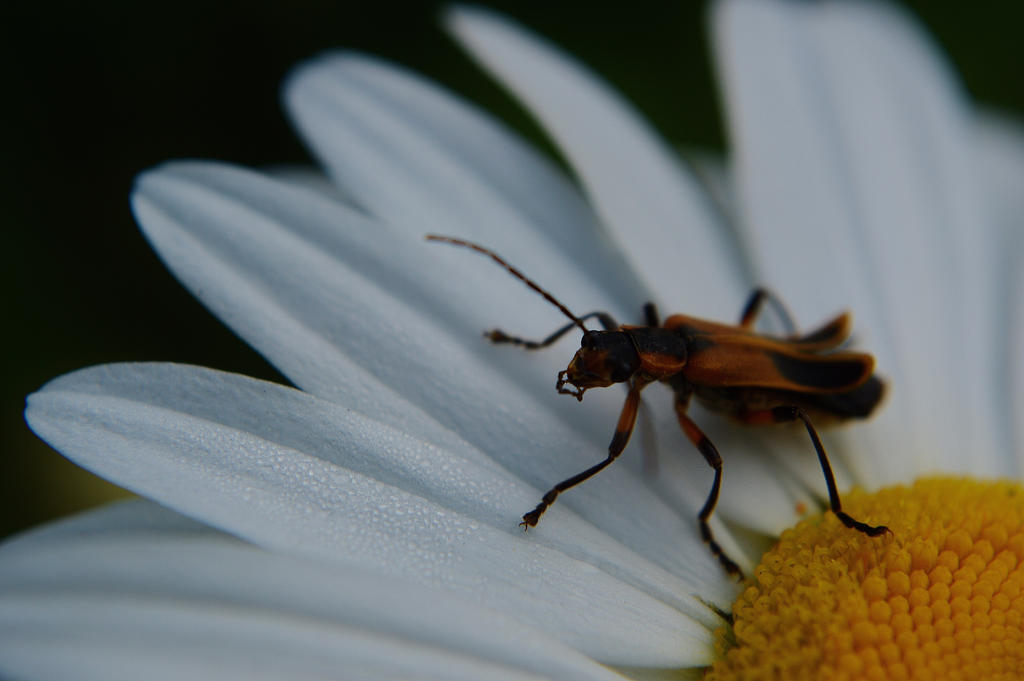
(512, 270)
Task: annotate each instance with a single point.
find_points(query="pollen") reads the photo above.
(942, 597)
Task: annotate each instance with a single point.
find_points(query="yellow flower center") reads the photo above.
(942, 598)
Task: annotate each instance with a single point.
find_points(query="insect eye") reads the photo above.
(588, 341)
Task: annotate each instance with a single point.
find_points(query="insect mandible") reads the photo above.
(754, 378)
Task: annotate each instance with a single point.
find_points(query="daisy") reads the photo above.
(365, 524)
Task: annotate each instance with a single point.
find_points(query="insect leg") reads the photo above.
(714, 459)
(651, 317)
(754, 304)
(784, 414)
(622, 432)
(499, 336)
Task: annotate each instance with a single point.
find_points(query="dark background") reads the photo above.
(97, 93)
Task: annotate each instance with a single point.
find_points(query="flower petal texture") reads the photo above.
(115, 585)
(658, 213)
(307, 477)
(424, 161)
(1000, 162)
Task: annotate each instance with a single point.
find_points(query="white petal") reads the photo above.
(426, 162)
(854, 178)
(294, 473)
(1015, 361)
(350, 311)
(656, 211)
(1000, 163)
(100, 596)
(313, 179)
(716, 175)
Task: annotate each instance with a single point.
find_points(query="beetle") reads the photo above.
(754, 378)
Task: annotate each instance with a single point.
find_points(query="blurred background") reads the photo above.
(99, 91)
